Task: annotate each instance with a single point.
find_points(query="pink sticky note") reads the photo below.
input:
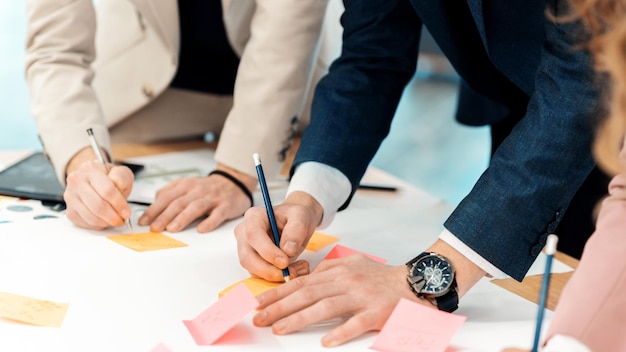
(414, 327)
(340, 251)
(216, 320)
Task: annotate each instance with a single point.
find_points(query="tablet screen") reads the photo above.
(32, 177)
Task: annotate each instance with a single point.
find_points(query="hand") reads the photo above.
(297, 217)
(357, 286)
(515, 350)
(95, 199)
(187, 199)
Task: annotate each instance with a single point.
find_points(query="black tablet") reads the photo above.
(32, 177)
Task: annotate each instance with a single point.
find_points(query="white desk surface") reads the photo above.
(122, 300)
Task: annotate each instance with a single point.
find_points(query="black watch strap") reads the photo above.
(450, 301)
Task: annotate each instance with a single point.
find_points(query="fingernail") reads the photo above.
(279, 326)
(260, 317)
(302, 271)
(291, 247)
(144, 220)
(126, 213)
(329, 341)
(157, 226)
(281, 262)
(173, 227)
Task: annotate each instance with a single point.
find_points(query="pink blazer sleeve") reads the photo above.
(592, 307)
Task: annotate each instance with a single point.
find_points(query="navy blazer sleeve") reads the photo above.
(354, 104)
(535, 172)
(520, 198)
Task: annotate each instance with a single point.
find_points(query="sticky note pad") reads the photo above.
(255, 285)
(320, 240)
(341, 251)
(31, 310)
(405, 329)
(216, 320)
(146, 241)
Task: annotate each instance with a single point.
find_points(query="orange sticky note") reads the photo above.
(405, 329)
(31, 310)
(216, 320)
(146, 241)
(255, 285)
(320, 240)
(341, 251)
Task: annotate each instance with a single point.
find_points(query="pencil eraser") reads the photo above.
(551, 244)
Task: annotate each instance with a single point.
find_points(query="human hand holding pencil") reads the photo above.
(96, 190)
(295, 220)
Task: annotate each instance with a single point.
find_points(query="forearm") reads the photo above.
(59, 51)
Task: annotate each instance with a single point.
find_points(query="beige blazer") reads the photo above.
(91, 66)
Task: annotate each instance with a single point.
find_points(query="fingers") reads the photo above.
(93, 198)
(257, 252)
(122, 177)
(299, 268)
(354, 286)
(303, 302)
(351, 329)
(185, 200)
(180, 213)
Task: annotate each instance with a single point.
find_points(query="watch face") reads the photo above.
(437, 274)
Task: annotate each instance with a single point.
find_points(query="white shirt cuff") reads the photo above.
(559, 343)
(470, 254)
(329, 186)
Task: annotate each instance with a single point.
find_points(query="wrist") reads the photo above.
(82, 156)
(467, 272)
(307, 201)
(235, 181)
(248, 181)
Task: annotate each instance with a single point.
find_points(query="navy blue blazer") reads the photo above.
(508, 51)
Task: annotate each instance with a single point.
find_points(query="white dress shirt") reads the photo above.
(331, 189)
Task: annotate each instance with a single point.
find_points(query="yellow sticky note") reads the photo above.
(253, 284)
(320, 240)
(31, 310)
(146, 241)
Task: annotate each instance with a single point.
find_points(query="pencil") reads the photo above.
(377, 187)
(98, 151)
(268, 206)
(545, 284)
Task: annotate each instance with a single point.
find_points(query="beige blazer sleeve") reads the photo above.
(59, 52)
(274, 77)
(134, 41)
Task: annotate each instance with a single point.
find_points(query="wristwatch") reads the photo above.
(432, 277)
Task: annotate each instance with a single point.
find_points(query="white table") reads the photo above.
(122, 300)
